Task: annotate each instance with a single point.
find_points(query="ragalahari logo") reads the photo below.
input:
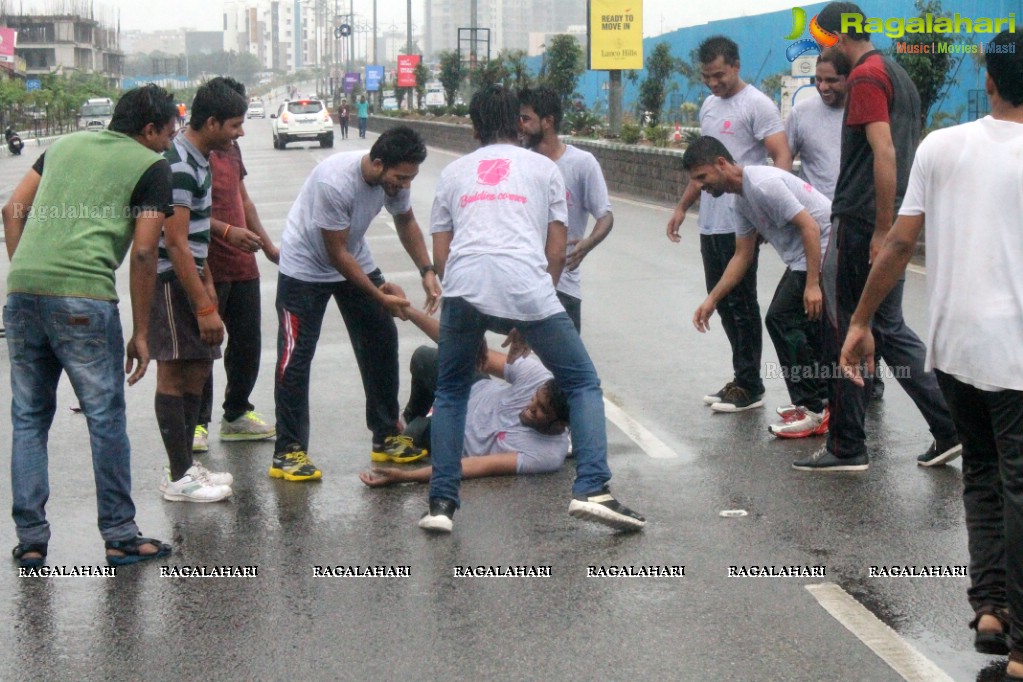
(819, 39)
(491, 172)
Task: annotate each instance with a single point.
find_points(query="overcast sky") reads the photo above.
(206, 15)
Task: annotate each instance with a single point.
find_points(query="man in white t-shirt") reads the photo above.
(795, 219)
(324, 255)
(814, 125)
(748, 124)
(584, 183)
(498, 226)
(966, 185)
(515, 426)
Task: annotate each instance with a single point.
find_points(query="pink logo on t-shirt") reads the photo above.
(807, 187)
(568, 198)
(492, 171)
(726, 128)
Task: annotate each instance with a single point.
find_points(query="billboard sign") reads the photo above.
(8, 39)
(374, 77)
(407, 70)
(615, 31)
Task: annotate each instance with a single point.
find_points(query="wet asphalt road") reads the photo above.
(639, 294)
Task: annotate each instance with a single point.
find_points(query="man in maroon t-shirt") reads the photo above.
(880, 132)
(236, 234)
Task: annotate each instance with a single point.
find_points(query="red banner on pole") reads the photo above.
(407, 64)
(8, 38)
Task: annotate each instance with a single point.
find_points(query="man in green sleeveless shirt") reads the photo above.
(68, 226)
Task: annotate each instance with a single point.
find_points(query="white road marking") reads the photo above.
(639, 434)
(879, 638)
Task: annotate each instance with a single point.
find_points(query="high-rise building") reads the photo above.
(510, 22)
(282, 34)
(55, 43)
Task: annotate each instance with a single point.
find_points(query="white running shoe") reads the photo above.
(195, 486)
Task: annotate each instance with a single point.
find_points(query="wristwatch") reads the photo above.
(427, 268)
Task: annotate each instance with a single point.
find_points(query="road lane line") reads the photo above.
(879, 638)
(638, 434)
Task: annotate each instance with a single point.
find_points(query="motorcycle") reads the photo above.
(14, 143)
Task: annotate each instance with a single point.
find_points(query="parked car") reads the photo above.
(302, 119)
(256, 110)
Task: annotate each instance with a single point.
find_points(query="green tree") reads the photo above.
(486, 73)
(12, 92)
(450, 75)
(422, 76)
(930, 72)
(562, 66)
(771, 85)
(515, 72)
(660, 66)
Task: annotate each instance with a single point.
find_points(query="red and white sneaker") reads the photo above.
(801, 423)
(786, 409)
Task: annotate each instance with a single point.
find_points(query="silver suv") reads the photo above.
(302, 119)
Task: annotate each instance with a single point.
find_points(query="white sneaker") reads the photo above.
(195, 486)
(802, 423)
(214, 477)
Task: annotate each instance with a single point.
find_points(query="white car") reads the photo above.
(302, 119)
(256, 110)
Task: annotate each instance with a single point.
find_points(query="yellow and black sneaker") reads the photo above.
(294, 465)
(397, 449)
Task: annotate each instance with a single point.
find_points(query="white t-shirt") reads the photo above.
(967, 181)
(586, 196)
(740, 122)
(498, 202)
(334, 197)
(492, 421)
(814, 131)
(770, 199)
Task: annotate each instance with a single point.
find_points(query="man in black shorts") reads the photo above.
(185, 328)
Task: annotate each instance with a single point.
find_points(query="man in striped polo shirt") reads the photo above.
(185, 329)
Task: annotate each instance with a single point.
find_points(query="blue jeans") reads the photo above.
(362, 126)
(82, 337)
(557, 344)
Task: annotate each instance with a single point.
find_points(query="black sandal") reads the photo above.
(22, 548)
(132, 555)
(993, 643)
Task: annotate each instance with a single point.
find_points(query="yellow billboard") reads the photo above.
(616, 34)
